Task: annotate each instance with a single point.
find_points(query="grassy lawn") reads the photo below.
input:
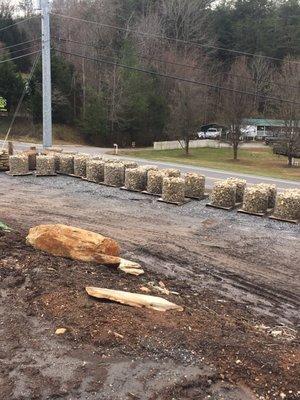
(259, 161)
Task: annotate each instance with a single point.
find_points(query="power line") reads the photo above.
(16, 58)
(176, 77)
(172, 39)
(19, 44)
(18, 22)
(172, 62)
(19, 51)
(20, 100)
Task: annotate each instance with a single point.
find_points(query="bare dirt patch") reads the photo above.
(233, 276)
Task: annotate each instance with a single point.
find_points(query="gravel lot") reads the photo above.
(233, 272)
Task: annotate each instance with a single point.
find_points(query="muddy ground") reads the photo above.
(237, 277)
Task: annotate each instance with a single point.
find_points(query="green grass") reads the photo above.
(260, 161)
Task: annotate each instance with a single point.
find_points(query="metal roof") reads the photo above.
(264, 122)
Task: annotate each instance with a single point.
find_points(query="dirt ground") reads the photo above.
(236, 276)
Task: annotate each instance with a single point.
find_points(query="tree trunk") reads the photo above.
(187, 146)
(290, 161)
(235, 151)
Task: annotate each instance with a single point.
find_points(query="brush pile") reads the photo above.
(194, 185)
(256, 200)
(66, 164)
(95, 170)
(223, 194)
(45, 165)
(155, 182)
(80, 165)
(173, 190)
(240, 185)
(288, 205)
(114, 174)
(19, 164)
(272, 193)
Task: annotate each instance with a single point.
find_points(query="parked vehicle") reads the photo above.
(211, 133)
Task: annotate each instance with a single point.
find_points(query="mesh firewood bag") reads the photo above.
(256, 199)
(95, 170)
(136, 179)
(149, 167)
(194, 185)
(272, 193)
(223, 194)
(19, 164)
(155, 181)
(172, 172)
(173, 190)
(114, 174)
(45, 165)
(288, 205)
(66, 164)
(240, 185)
(4, 160)
(129, 164)
(80, 165)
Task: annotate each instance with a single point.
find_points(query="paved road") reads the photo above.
(212, 175)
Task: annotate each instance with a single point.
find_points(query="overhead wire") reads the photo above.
(19, 22)
(18, 57)
(169, 62)
(19, 44)
(182, 79)
(20, 100)
(168, 38)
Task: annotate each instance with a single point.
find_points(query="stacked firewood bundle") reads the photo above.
(4, 161)
(223, 195)
(287, 205)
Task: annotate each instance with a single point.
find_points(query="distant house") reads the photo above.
(259, 128)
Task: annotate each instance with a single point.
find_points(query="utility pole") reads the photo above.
(46, 60)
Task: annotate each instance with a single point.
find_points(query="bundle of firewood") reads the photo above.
(114, 174)
(172, 172)
(19, 164)
(223, 194)
(4, 161)
(95, 170)
(288, 205)
(155, 181)
(80, 165)
(194, 185)
(173, 190)
(66, 164)
(45, 165)
(272, 193)
(240, 185)
(256, 200)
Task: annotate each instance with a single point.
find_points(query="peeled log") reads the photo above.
(75, 243)
(133, 299)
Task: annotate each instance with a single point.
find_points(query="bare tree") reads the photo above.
(288, 87)
(188, 103)
(237, 106)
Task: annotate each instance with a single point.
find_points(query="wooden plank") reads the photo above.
(291, 221)
(28, 173)
(220, 207)
(252, 213)
(150, 194)
(198, 198)
(130, 190)
(174, 203)
(133, 299)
